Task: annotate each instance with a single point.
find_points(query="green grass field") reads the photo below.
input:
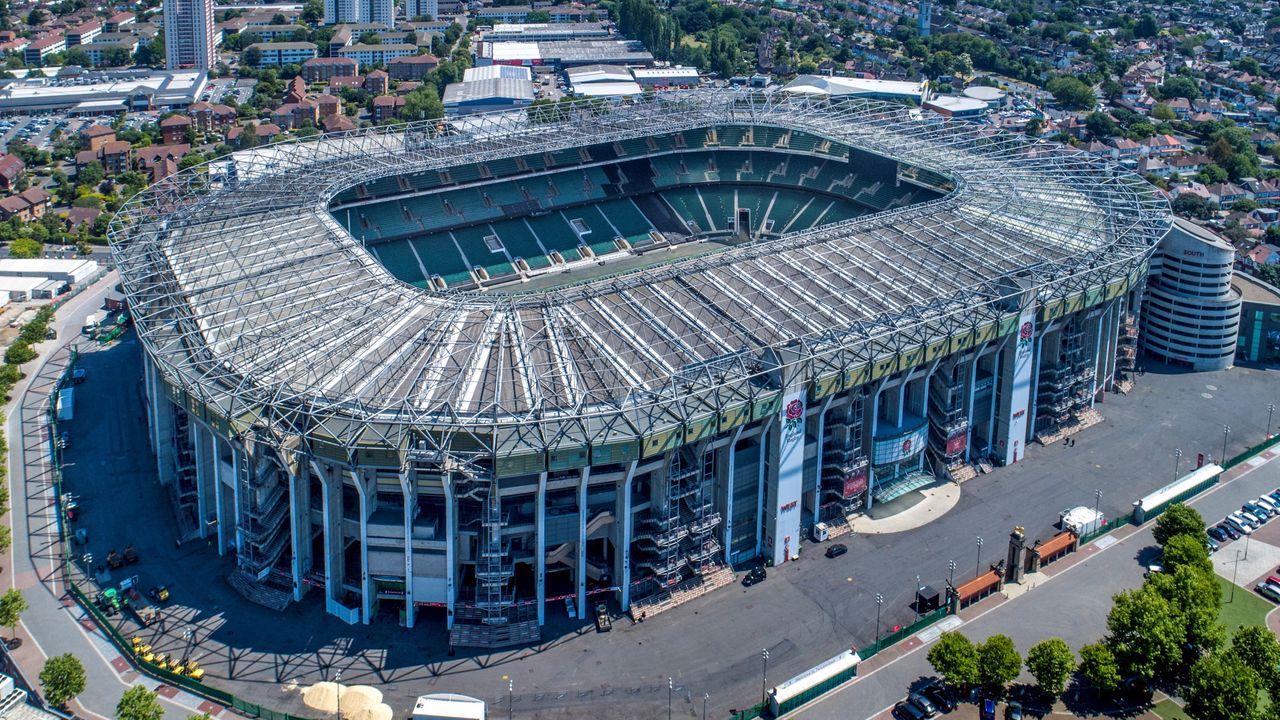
(1246, 609)
(1169, 710)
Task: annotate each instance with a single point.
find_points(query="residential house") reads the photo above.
(146, 159)
(385, 107)
(39, 49)
(338, 123)
(174, 129)
(324, 69)
(207, 117)
(284, 53)
(30, 204)
(292, 115)
(266, 132)
(95, 136)
(327, 105)
(337, 83)
(377, 82)
(11, 167)
(1225, 194)
(412, 67)
(78, 216)
(114, 156)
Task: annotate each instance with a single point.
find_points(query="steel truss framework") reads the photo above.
(264, 315)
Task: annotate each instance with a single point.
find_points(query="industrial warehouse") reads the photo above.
(615, 351)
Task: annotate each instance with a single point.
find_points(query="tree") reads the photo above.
(1101, 126)
(1257, 647)
(1144, 633)
(955, 658)
(1189, 551)
(139, 703)
(1071, 93)
(422, 104)
(1179, 86)
(12, 605)
(1098, 667)
(62, 679)
(18, 353)
(1221, 685)
(998, 661)
(252, 56)
(25, 248)
(1179, 519)
(1051, 663)
(36, 17)
(1146, 27)
(1163, 113)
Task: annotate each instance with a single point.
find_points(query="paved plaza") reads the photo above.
(805, 612)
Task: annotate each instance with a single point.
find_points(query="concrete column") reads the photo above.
(540, 546)
(996, 359)
(450, 549)
(299, 523)
(1035, 384)
(624, 521)
(871, 427)
(972, 379)
(727, 520)
(203, 479)
(366, 583)
(238, 471)
(409, 492)
(162, 426)
(220, 492)
(334, 534)
(1098, 321)
(582, 542)
(817, 485)
(763, 468)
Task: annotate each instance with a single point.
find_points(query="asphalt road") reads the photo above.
(1072, 605)
(807, 610)
(55, 625)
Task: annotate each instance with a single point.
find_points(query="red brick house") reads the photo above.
(11, 167)
(174, 129)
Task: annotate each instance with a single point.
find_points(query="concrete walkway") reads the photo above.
(938, 501)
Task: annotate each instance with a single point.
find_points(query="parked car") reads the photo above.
(1250, 510)
(1013, 711)
(837, 550)
(923, 704)
(753, 576)
(1217, 533)
(939, 696)
(1230, 531)
(1212, 545)
(1267, 504)
(1240, 523)
(987, 709)
(1269, 591)
(906, 711)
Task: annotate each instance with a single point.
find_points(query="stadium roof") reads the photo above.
(258, 307)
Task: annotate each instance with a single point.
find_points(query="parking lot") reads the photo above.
(804, 612)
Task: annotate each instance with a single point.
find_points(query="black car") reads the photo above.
(922, 704)
(1218, 534)
(1013, 711)
(1230, 531)
(939, 696)
(837, 550)
(906, 711)
(753, 576)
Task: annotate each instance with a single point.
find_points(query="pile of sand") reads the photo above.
(359, 702)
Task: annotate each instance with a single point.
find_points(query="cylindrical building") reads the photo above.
(1192, 314)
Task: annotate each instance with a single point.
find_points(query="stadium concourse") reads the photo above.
(480, 368)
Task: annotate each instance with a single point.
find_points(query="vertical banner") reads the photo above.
(1020, 393)
(786, 513)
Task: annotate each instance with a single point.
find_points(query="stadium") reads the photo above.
(451, 373)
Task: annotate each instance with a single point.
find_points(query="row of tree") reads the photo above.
(1167, 631)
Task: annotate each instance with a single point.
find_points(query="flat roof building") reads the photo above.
(955, 106)
(284, 53)
(491, 94)
(103, 92)
(564, 53)
(70, 271)
(667, 76)
(858, 87)
(1259, 339)
(190, 38)
(533, 32)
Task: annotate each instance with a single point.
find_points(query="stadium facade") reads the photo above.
(611, 351)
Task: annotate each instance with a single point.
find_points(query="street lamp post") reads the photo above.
(915, 603)
(764, 675)
(1235, 573)
(977, 567)
(337, 679)
(511, 699)
(1271, 409)
(1177, 460)
(671, 686)
(1226, 430)
(1097, 500)
(951, 565)
(705, 698)
(879, 604)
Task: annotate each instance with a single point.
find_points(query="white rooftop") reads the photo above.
(667, 72)
(508, 51)
(166, 88)
(821, 85)
(11, 266)
(491, 72)
(449, 705)
(956, 104)
(628, 88)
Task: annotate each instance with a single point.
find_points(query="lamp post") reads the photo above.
(764, 674)
(977, 567)
(511, 699)
(1226, 430)
(671, 686)
(705, 698)
(951, 565)
(337, 679)
(1271, 409)
(916, 601)
(1234, 573)
(1177, 461)
(879, 604)
(1097, 500)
